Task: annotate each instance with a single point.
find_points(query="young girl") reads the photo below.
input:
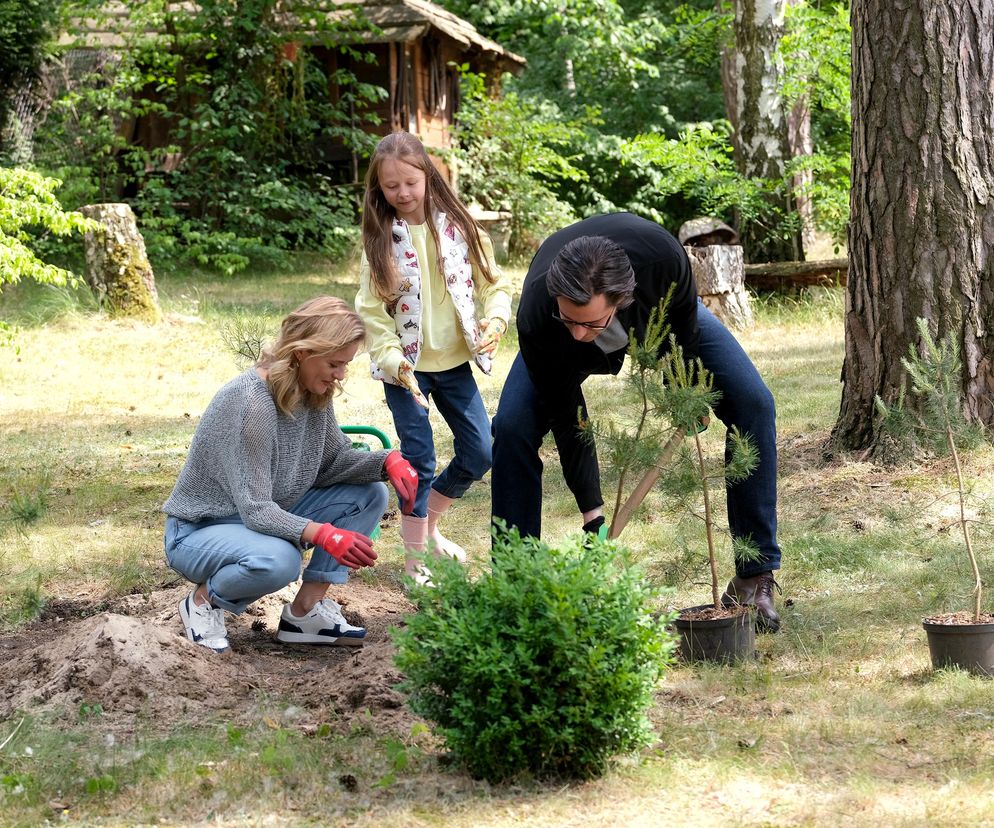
(269, 473)
(426, 266)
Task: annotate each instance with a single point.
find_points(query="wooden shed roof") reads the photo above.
(395, 21)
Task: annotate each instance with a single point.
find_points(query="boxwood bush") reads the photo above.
(544, 666)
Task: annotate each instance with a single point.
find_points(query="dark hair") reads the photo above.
(589, 266)
(378, 215)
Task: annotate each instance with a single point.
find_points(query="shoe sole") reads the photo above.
(310, 638)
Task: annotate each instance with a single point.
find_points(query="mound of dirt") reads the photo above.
(130, 656)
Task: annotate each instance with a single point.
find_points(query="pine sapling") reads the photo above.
(935, 376)
(671, 398)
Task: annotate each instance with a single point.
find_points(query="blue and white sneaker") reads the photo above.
(204, 624)
(324, 624)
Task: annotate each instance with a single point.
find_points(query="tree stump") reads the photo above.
(720, 276)
(117, 266)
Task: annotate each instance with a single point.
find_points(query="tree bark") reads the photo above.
(117, 267)
(760, 118)
(801, 143)
(921, 237)
(720, 280)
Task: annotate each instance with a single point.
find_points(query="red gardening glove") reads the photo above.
(404, 479)
(348, 548)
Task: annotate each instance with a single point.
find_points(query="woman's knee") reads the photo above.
(274, 571)
(377, 496)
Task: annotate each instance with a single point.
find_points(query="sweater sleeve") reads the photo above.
(495, 299)
(341, 463)
(384, 344)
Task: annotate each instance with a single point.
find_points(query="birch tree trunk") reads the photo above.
(921, 236)
(760, 119)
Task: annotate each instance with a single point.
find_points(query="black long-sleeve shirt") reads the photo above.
(558, 364)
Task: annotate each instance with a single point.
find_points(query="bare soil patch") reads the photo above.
(131, 657)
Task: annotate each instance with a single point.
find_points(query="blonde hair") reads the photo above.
(378, 216)
(320, 326)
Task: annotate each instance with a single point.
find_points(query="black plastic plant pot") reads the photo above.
(967, 646)
(725, 640)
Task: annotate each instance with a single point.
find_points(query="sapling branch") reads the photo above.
(708, 520)
(965, 524)
(624, 512)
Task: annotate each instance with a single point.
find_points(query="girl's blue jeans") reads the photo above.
(240, 565)
(457, 398)
(746, 402)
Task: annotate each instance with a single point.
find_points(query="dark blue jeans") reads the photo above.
(746, 402)
(457, 398)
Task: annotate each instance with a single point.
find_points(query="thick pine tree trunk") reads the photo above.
(760, 120)
(921, 237)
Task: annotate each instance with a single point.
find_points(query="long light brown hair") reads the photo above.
(320, 326)
(378, 216)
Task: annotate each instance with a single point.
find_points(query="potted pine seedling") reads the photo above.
(963, 638)
(670, 400)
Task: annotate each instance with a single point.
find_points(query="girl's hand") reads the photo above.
(493, 330)
(405, 376)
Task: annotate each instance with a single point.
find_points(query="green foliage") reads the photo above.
(25, 27)
(511, 153)
(251, 131)
(543, 666)
(27, 201)
(816, 50)
(699, 167)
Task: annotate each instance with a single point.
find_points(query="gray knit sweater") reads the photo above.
(248, 458)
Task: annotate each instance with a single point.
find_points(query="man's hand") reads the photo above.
(493, 330)
(405, 376)
(404, 479)
(348, 548)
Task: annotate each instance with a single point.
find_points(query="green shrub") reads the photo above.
(543, 666)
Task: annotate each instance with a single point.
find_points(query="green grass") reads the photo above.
(840, 720)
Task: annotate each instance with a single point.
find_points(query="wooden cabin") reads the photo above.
(414, 43)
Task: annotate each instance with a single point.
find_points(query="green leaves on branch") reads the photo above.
(544, 666)
(511, 154)
(27, 201)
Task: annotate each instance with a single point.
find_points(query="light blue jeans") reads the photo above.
(240, 565)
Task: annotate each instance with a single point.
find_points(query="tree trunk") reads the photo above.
(760, 118)
(921, 236)
(720, 280)
(117, 267)
(801, 143)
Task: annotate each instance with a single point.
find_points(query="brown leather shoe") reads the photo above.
(757, 592)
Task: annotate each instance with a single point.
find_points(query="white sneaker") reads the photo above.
(204, 624)
(324, 624)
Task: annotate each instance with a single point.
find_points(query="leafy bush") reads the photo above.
(245, 130)
(543, 666)
(27, 200)
(512, 152)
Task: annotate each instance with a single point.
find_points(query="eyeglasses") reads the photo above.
(590, 326)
